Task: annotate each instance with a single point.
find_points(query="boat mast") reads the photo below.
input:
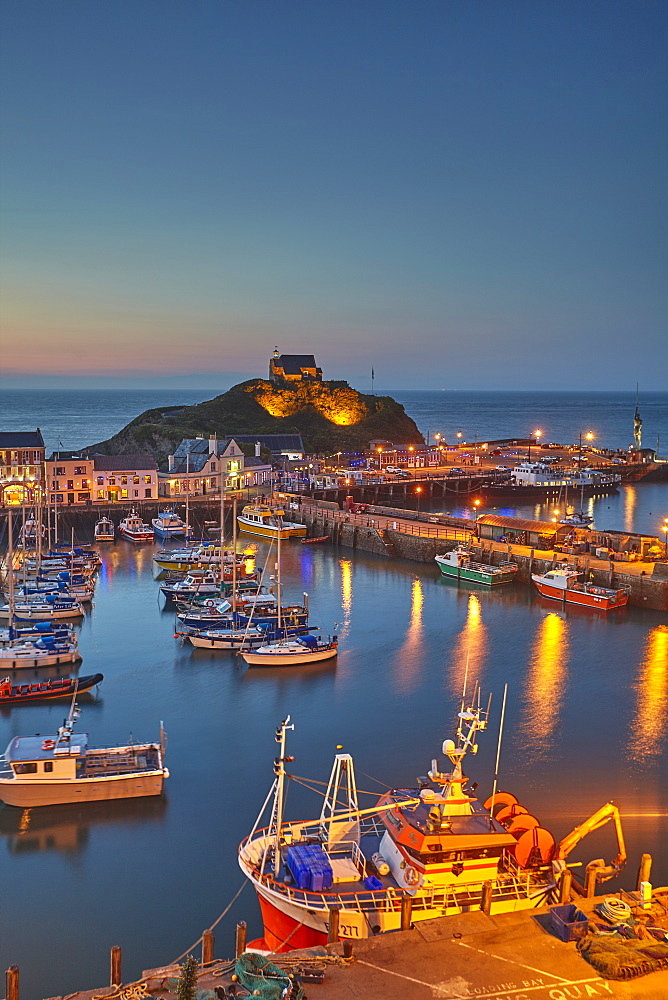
(234, 558)
(187, 495)
(10, 570)
(222, 515)
(278, 571)
(279, 770)
(498, 751)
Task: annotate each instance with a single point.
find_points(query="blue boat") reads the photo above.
(168, 524)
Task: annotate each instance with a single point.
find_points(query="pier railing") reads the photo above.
(384, 522)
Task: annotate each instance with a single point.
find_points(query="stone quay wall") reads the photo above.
(648, 590)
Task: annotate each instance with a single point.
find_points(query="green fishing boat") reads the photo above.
(459, 564)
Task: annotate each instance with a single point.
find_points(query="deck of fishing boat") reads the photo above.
(104, 763)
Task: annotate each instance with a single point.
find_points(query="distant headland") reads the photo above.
(330, 416)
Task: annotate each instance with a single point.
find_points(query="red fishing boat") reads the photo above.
(135, 529)
(563, 583)
(418, 854)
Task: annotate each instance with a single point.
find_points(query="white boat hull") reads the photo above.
(12, 659)
(52, 793)
(289, 659)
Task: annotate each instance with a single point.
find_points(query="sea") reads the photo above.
(586, 720)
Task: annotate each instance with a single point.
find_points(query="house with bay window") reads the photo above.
(197, 465)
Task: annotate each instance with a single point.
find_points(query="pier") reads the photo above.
(406, 535)
(510, 956)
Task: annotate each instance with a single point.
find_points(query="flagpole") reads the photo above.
(372, 378)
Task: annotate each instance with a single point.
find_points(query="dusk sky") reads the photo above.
(457, 194)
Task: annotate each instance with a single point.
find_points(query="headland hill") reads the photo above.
(330, 416)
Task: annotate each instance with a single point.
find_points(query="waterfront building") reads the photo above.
(74, 480)
(124, 477)
(69, 478)
(22, 474)
(196, 467)
(293, 368)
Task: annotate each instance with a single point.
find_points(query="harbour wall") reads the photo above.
(648, 589)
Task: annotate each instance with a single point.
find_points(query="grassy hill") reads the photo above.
(330, 416)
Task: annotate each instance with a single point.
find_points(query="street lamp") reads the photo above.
(588, 437)
(476, 504)
(418, 491)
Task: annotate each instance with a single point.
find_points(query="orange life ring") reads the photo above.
(48, 744)
(411, 876)
(209, 604)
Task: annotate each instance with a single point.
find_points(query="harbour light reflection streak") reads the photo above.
(409, 658)
(346, 595)
(546, 680)
(630, 501)
(470, 649)
(650, 725)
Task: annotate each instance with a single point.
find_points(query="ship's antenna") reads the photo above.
(498, 752)
(466, 675)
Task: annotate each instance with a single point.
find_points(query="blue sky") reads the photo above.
(461, 195)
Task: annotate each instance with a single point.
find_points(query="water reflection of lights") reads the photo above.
(649, 726)
(546, 678)
(471, 647)
(346, 595)
(630, 501)
(409, 658)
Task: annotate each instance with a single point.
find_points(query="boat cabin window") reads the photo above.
(444, 857)
(48, 766)
(28, 768)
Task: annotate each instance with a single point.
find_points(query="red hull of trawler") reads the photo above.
(283, 933)
(596, 597)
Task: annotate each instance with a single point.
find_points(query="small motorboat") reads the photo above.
(315, 541)
(57, 687)
(196, 583)
(169, 525)
(261, 519)
(53, 769)
(104, 530)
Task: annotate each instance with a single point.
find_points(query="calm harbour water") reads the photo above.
(586, 722)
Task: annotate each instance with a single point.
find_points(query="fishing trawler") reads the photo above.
(59, 768)
(261, 519)
(460, 565)
(418, 854)
(563, 583)
(135, 529)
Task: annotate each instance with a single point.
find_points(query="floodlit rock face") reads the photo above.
(341, 405)
(330, 416)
